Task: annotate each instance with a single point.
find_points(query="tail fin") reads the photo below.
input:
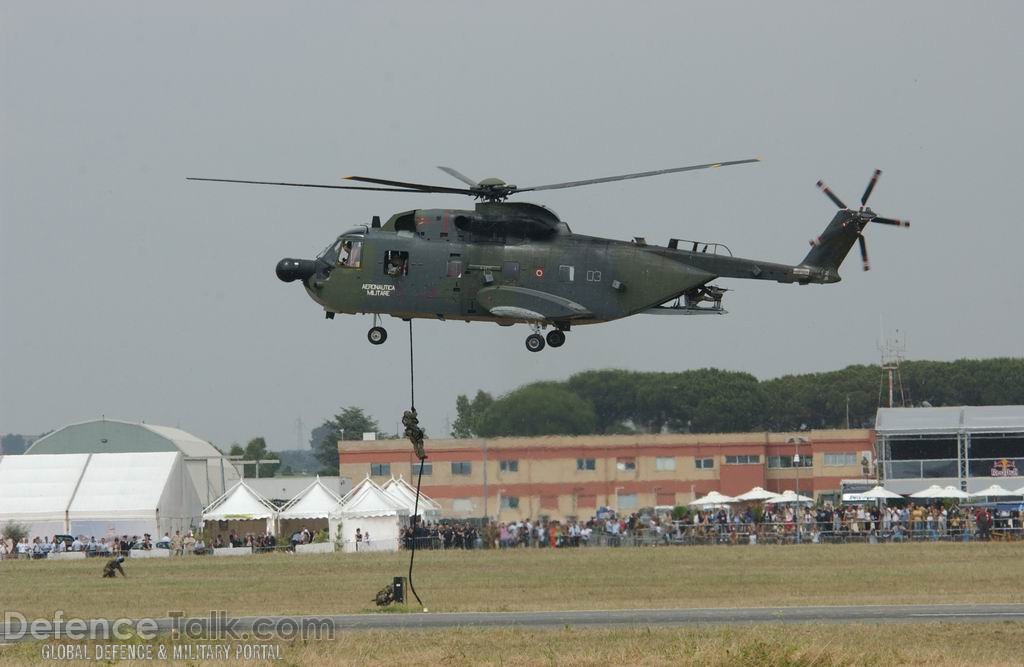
(831, 248)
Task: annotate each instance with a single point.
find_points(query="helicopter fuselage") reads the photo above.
(435, 263)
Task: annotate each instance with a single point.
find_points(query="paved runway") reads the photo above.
(957, 613)
(645, 617)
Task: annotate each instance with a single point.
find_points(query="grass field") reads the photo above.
(513, 580)
(970, 645)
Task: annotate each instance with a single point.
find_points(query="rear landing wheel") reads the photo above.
(534, 343)
(556, 337)
(377, 335)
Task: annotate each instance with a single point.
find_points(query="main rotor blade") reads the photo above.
(831, 195)
(624, 177)
(300, 185)
(462, 177)
(871, 186)
(864, 252)
(892, 221)
(414, 186)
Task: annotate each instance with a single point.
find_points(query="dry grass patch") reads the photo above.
(822, 645)
(514, 580)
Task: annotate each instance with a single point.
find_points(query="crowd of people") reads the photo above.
(770, 524)
(448, 535)
(779, 524)
(42, 547)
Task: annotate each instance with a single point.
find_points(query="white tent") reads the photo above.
(952, 492)
(369, 509)
(757, 493)
(713, 499)
(126, 493)
(936, 491)
(790, 496)
(994, 491)
(133, 493)
(933, 491)
(241, 503)
(405, 494)
(37, 490)
(316, 501)
(310, 508)
(874, 494)
(880, 493)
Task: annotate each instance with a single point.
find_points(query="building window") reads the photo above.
(380, 469)
(743, 459)
(665, 498)
(462, 505)
(704, 464)
(508, 465)
(509, 502)
(627, 501)
(841, 459)
(428, 469)
(806, 461)
(586, 464)
(549, 502)
(461, 467)
(626, 465)
(586, 500)
(665, 463)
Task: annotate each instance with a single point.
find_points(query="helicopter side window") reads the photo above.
(351, 256)
(396, 263)
(510, 271)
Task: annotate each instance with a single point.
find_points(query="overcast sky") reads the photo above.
(128, 292)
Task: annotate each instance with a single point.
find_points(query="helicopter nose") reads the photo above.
(289, 269)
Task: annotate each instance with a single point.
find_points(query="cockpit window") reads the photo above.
(351, 254)
(330, 253)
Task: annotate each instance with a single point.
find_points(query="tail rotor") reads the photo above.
(859, 217)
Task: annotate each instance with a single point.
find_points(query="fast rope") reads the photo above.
(415, 435)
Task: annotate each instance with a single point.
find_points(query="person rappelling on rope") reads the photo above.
(414, 432)
(415, 435)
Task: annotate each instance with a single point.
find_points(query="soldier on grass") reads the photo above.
(113, 565)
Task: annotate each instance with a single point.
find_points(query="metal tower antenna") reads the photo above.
(893, 351)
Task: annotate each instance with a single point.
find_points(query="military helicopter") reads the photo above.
(515, 262)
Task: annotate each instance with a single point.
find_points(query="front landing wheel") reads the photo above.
(377, 335)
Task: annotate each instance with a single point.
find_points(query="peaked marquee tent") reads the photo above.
(405, 493)
(370, 509)
(243, 510)
(310, 508)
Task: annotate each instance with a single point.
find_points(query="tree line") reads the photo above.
(712, 400)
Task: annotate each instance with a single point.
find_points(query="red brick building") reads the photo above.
(558, 476)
